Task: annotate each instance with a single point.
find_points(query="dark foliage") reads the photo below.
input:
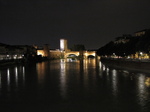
(135, 44)
(78, 47)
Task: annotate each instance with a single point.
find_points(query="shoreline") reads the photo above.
(13, 62)
(8, 63)
(133, 65)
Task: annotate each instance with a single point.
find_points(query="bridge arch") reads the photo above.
(90, 54)
(71, 54)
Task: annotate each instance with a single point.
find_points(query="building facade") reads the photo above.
(8, 52)
(64, 52)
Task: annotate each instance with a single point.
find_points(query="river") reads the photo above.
(73, 86)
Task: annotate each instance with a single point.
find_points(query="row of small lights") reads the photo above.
(14, 57)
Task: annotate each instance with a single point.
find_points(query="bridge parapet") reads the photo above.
(65, 54)
(77, 53)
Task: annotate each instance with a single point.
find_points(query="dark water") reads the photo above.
(77, 86)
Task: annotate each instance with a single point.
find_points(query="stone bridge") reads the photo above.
(85, 54)
(65, 54)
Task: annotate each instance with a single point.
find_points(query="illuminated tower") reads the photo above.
(63, 45)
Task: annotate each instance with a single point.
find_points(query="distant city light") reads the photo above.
(141, 53)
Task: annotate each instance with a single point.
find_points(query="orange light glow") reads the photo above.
(40, 52)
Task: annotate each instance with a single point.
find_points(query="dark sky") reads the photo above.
(90, 22)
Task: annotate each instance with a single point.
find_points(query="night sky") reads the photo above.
(92, 23)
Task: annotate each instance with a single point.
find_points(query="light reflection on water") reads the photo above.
(16, 76)
(0, 80)
(142, 91)
(147, 81)
(41, 72)
(8, 80)
(114, 82)
(77, 82)
(11, 77)
(63, 79)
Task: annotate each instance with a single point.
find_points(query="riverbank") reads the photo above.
(10, 62)
(130, 64)
(6, 63)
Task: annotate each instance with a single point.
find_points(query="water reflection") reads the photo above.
(133, 79)
(100, 69)
(8, 79)
(107, 71)
(63, 78)
(16, 75)
(89, 72)
(0, 80)
(142, 90)
(23, 74)
(80, 83)
(147, 81)
(11, 78)
(81, 70)
(40, 67)
(114, 82)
